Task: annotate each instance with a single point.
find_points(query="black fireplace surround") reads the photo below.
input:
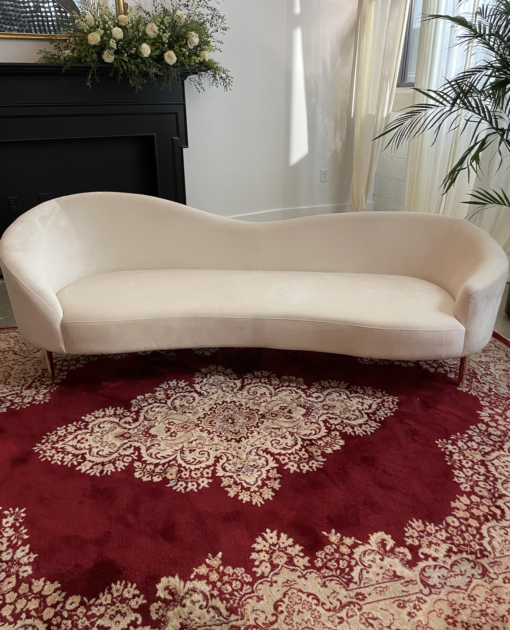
(59, 137)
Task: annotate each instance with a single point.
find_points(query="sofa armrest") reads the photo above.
(32, 261)
(478, 300)
(37, 311)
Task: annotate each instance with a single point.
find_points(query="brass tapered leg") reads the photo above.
(49, 362)
(462, 370)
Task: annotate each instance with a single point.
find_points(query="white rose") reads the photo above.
(117, 33)
(108, 56)
(151, 29)
(89, 20)
(123, 19)
(94, 38)
(145, 49)
(170, 57)
(179, 17)
(204, 55)
(193, 39)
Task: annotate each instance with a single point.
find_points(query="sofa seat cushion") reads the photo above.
(366, 315)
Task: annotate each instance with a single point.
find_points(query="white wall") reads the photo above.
(328, 37)
(259, 149)
(20, 50)
(234, 164)
(243, 143)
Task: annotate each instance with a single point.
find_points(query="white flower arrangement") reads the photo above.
(145, 49)
(146, 45)
(108, 56)
(94, 38)
(170, 57)
(179, 17)
(193, 39)
(151, 29)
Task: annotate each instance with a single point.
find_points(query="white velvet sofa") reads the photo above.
(110, 272)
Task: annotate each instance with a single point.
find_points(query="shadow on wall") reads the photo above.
(298, 142)
(257, 152)
(320, 46)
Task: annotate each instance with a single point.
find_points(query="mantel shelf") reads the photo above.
(102, 69)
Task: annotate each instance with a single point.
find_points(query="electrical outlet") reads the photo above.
(44, 197)
(324, 174)
(13, 205)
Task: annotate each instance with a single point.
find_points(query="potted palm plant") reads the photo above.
(478, 99)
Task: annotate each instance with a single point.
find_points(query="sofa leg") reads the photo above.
(49, 362)
(462, 370)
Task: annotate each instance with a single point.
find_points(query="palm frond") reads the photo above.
(453, 98)
(476, 100)
(484, 199)
(489, 24)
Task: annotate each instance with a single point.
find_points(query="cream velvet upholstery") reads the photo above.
(111, 272)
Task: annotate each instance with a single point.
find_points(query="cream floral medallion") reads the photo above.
(24, 378)
(240, 428)
(453, 575)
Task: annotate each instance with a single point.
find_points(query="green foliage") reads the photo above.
(145, 46)
(486, 199)
(477, 100)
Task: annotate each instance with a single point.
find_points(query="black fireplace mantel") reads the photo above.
(59, 137)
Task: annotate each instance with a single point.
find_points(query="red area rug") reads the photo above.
(253, 489)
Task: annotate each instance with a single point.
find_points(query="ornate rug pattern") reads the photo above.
(253, 489)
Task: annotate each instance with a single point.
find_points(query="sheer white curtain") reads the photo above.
(380, 38)
(428, 163)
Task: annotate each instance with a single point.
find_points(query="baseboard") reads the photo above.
(291, 213)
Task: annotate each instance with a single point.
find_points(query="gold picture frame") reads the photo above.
(4, 35)
(122, 7)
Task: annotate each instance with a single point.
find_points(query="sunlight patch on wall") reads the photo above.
(298, 109)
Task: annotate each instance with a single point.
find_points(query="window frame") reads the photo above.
(404, 62)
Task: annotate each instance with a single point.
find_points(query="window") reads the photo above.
(410, 53)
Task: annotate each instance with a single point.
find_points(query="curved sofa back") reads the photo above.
(72, 237)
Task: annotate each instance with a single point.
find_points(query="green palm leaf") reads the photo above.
(484, 199)
(476, 101)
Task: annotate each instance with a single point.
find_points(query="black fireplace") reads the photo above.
(59, 137)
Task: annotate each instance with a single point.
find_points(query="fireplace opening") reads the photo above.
(34, 171)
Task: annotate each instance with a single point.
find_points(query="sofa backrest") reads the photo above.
(76, 236)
